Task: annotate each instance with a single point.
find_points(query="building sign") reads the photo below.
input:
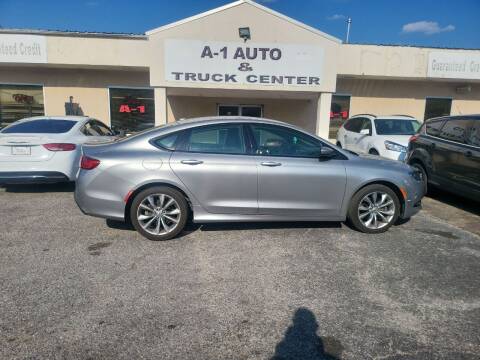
(131, 104)
(23, 48)
(454, 65)
(238, 63)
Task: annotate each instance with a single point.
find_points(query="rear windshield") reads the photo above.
(41, 126)
(396, 126)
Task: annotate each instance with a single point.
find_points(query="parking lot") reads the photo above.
(73, 286)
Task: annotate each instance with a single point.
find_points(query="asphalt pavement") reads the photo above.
(78, 287)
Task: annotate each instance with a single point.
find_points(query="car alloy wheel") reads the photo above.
(376, 210)
(158, 214)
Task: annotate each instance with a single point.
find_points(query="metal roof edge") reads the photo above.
(74, 34)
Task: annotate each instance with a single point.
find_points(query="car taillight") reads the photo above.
(414, 138)
(88, 163)
(59, 147)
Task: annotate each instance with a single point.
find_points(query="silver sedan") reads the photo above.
(239, 169)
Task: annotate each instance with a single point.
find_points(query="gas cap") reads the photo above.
(152, 164)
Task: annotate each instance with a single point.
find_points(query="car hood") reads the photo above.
(379, 161)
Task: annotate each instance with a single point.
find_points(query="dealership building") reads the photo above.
(239, 59)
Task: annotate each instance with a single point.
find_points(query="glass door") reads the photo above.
(251, 110)
(240, 110)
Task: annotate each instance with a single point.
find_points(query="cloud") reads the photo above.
(92, 3)
(267, 1)
(426, 27)
(336, 17)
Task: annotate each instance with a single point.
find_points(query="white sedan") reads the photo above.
(386, 136)
(47, 149)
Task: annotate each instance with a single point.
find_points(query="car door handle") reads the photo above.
(468, 153)
(432, 145)
(270, 163)
(191, 162)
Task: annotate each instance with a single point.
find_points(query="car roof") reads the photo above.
(64, 117)
(209, 120)
(396, 117)
(453, 117)
(221, 119)
(79, 120)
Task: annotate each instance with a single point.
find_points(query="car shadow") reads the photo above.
(301, 341)
(39, 188)
(127, 226)
(457, 201)
(268, 225)
(192, 227)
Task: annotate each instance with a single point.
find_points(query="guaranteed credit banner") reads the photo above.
(23, 48)
(454, 65)
(268, 64)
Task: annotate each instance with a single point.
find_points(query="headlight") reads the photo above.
(395, 147)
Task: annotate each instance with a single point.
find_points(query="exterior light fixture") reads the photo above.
(244, 33)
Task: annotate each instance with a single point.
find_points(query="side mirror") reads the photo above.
(366, 132)
(326, 153)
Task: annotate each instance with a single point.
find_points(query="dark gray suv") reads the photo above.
(447, 152)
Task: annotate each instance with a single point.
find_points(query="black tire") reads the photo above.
(353, 211)
(373, 152)
(158, 190)
(422, 170)
(339, 144)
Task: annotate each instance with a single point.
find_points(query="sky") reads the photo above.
(438, 23)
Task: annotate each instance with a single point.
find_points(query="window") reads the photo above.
(132, 110)
(20, 101)
(96, 128)
(433, 127)
(279, 141)
(168, 141)
(104, 129)
(218, 139)
(40, 126)
(473, 136)
(435, 107)
(339, 111)
(367, 124)
(455, 130)
(396, 127)
(240, 110)
(354, 124)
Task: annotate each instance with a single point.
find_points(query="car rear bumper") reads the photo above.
(32, 177)
(94, 199)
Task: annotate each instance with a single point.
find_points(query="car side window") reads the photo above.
(101, 128)
(89, 129)
(168, 141)
(271, 140)
(433, 127)
(455, 130)
(348, 124)
(355, 124)
(473, 135)
(366, 124)
(217, 139)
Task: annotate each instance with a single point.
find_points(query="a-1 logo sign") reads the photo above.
(247, 53)
(193, 61)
